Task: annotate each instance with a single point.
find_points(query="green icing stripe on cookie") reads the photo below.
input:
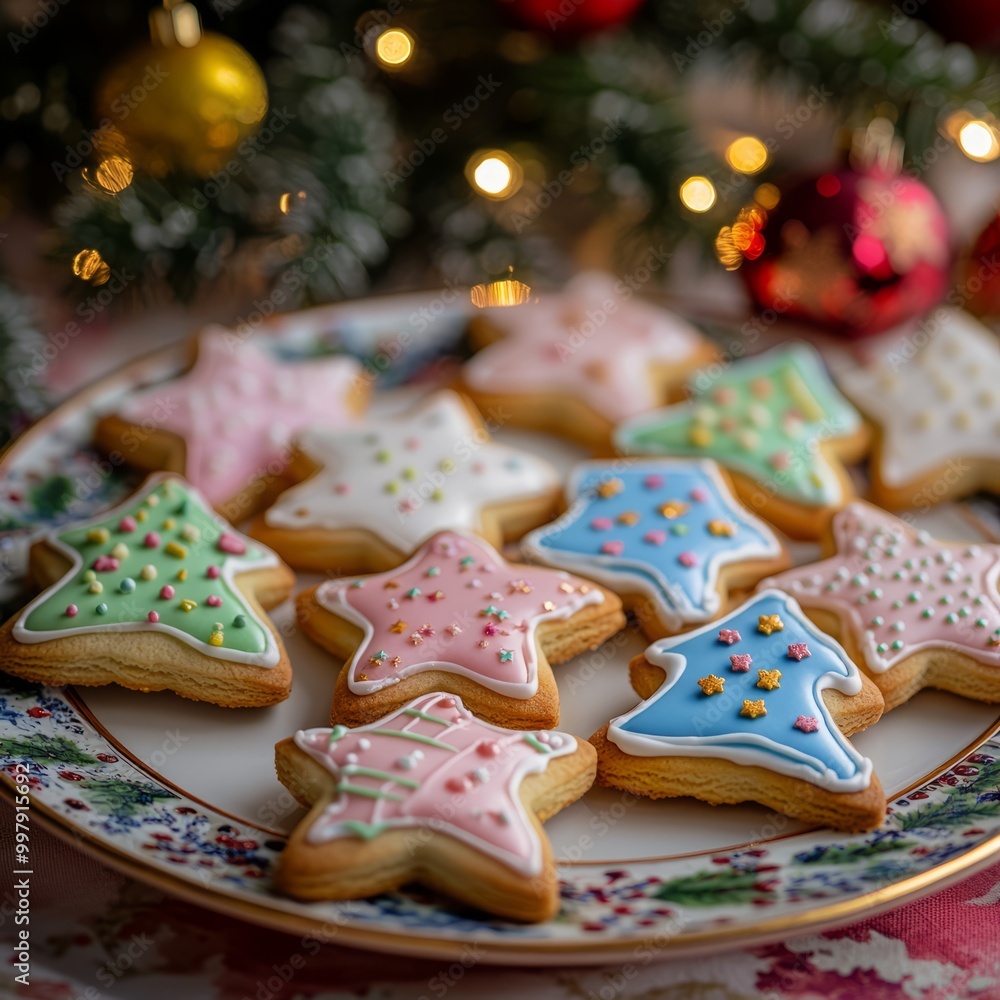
(170, 529)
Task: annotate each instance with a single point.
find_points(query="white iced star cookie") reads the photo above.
(373, 492)
(579, 361)
(936, 408)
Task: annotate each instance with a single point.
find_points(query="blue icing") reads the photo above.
(680, 719)
(688, 591)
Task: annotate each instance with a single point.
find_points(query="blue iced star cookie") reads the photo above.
(660, 529)
(748, 689)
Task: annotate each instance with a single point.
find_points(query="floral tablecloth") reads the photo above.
(96, 934)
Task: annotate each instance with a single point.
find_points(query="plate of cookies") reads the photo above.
(561, 629)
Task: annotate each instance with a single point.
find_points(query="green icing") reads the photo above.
(417, 714)
(762, 417)
(175, 502)
(366, 831)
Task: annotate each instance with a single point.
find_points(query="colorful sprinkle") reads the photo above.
(240, 621)
(98, 536)
(213, 601)
(101, 609)
(152, 617)
(127, 524)
(655, 537)
(152, 540)
(741, 662)
(798, 651)
(807, 723)
(127, 585)
(769, 624)
(768, 679)
(711, 684)
(148, 572)
(120, 551)
(231, 544)
(753, 709)
(188, 605)
(176, 550)
(72, 610)
(106, 564)
(729, 635)
(213, 572)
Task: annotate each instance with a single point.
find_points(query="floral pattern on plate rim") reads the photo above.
(84, 780)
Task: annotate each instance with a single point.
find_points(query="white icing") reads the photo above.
(479, 473)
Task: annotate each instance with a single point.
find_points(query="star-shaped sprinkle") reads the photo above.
(398, 626)
(798, 651)
(913, 593)
(768, 679)
(238, 407)
(673, 509)
(740, 662)
(451, 639)
(748, 432)
(544, 350)
(807, 723)
(729, 636)
(403, 773)
(675, 720)
(769, 624)
(941, 406)
(721, 528)
(711, 684)
(677, 570)
(477, 477)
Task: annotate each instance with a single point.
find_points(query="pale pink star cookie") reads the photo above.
(432, 794)
(226, 424)
(373, 492)
(457, 617)
(913, 612)
(580, 361)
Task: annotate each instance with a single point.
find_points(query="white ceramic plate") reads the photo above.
(184, 795)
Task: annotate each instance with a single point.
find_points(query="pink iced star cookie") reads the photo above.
(457, 617)
(430, 793)
(373, 492)
(580, 361)
(226, 423)
(915, 612)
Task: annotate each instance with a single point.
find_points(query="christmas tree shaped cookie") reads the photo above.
(158, 594)
(777, 423)
(667, 535)
(226, 424)
(580, 361)
(457, 617)
(754, 707)
(430, 793)
(935, 404)
(374, 492)
(912, 611)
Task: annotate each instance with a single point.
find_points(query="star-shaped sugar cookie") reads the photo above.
(776, 422)
(913, 611)
(766, 697)
(382, 487)
(580, 361)
(457, 616)
(226, 424)
(666, 532)
(935, 401)
(467, 796)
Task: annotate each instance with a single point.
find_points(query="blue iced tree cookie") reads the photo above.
(757, 707)
(666, 534)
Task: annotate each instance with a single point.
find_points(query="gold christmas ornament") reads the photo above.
(184, 100)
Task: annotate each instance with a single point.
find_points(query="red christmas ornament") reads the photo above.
(975, 23)
(855, 252)
(572, 18)
(979, 273)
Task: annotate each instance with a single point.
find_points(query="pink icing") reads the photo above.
(947, 592)
(467, 780)
(239, 406)
(517, 594)
(561, 344)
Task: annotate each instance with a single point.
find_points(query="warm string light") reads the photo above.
(698, 194)
(89, 265)
(747, 155)
(114, 174)
(394, 47)
(743, 240)
(504, 292)
(494, 174)
(977, 136)
(288, 201)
